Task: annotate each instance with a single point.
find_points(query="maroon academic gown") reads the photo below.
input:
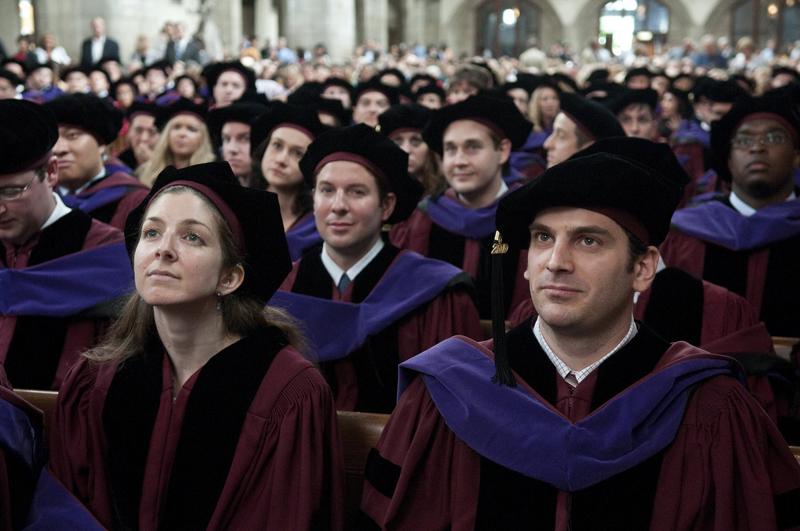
(57, 341)
(766, 276)
(421, 234)
(726, 469)
(276, 465)
(116, 213)
(366, 380)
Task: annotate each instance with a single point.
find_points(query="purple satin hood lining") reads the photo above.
(67, 285)
(18, 436)
(53, 507)
(338, 328)
(518, 430)
(302, 236)
(456, 218)
(722, 225)
(99, 199)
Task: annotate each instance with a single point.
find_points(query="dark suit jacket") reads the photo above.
(190, 53)
(110, 51)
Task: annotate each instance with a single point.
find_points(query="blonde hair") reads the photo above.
(163, 157)
(534, 110)
(242, 313)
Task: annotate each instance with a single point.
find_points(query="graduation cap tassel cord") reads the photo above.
(503, 375)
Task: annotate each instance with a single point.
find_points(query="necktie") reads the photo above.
(344, 281)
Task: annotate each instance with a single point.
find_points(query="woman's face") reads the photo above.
(280, 164)
(548, 104)
(185, 135)
(669, 105)
(178, 260)
(412, 143)
(186, 89)
(125, 95)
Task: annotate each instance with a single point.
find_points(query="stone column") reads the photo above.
(308, 22)
(376, 21)
(266, 22)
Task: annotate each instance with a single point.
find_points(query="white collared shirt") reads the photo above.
(87, 184)
(58, 212)
(97, 48)
(745, 209)
(563, 369)
(336, 272)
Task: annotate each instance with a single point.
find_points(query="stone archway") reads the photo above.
(459, 27)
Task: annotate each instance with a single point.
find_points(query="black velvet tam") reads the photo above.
(379, 155)
(722, 130)
(214, 70)
(627, 97)
(302, 118)
(180, 106)
(498, 114)
(404, 116)
(27, 134)
(242, 112)
(95, 115)
(599, 181)
(266, 254)
(591, 117)
(375, 85)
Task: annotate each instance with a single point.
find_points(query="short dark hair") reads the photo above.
(636, 249)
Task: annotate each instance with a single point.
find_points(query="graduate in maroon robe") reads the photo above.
(749, 240)
(87, 125)
(39, 338)
(474, 138)
(587, 419)
(379, 304)
(198, 412)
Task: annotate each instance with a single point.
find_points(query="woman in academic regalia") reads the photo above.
(278, 140)
(198, 412)
(184, 140)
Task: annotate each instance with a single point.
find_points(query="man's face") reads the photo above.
(460, 91)
(236, 147)
(638, 121)
(79, 155)
(21, 218)
(229, 88)
(335, 92)
(348, 209)
(77, 83)
(143, 136)
(430, 100)
(40, 78)
(763, 170)
(7, 89)
(562, 142)
(98, 27)
(369, 106)
(471, 161)
(578, 271)
(156, 81)
(98, 82)
(638, 82)
(521, 99)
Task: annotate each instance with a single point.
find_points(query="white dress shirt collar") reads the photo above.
(336, 272)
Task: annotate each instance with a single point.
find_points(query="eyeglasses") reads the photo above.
(12, 193)
(772, 138)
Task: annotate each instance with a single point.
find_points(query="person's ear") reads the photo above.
(230, 280)
(645, 268)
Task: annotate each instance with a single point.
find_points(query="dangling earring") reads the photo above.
(219, 301)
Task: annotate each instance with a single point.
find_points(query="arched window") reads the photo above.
(626, 22)
(504, 26)
(766, 19)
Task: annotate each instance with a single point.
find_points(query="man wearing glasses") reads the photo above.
(52, 266)
(749, 240)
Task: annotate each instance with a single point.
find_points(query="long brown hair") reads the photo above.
(242, 312)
